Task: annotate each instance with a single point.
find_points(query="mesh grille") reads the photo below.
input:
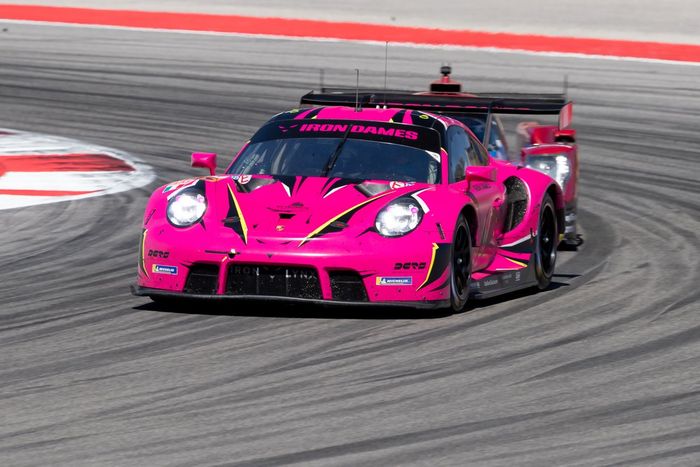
(203, 279)
(276, 281)
(516, 196)
(347, 286)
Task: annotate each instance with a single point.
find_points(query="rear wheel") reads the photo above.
(461, 266)
(546, 244)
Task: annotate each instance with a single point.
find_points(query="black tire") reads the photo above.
(460, 265)
(546, 243)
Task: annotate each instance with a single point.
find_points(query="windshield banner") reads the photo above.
(386, 132)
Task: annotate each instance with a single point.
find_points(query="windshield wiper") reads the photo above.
(334, 157)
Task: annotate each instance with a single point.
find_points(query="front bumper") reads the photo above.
(405, 270)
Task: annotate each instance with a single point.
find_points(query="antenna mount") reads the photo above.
(357, 89)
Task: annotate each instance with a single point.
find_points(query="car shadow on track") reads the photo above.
(262, 309)
(256, 308)
(528, 292)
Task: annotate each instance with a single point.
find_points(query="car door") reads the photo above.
(484, 193)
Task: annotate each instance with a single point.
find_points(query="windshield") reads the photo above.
(344, 153)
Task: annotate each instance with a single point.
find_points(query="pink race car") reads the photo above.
(344, 205)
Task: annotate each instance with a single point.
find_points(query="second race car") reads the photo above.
(550, 149)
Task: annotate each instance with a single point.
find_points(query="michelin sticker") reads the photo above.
(396, 280)
(160, 269)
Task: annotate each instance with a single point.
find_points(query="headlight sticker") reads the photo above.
(176, 187)
(420, 201)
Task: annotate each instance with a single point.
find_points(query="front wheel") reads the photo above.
(546, 244)
(461, 266)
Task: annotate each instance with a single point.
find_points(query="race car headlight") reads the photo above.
(186, 208)
(557, 167)
(399, 217)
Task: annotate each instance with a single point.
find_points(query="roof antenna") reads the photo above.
(357, 89)
(323, 88)
(386, 68)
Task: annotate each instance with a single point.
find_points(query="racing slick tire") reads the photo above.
(460, 265)
(546, 243)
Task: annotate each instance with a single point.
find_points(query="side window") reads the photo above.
(457, 148)
(477, 154)
(497, 147)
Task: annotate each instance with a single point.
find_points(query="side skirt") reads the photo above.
(502, 282)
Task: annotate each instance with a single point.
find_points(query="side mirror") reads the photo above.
(205, 160)
(480, 173)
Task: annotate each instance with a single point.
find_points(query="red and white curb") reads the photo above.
(39, 169)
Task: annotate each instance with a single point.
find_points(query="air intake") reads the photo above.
(203, 279)
(347, 286)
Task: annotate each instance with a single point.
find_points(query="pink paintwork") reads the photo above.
(327, 225)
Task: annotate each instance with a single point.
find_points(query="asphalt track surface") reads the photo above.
(602, 369)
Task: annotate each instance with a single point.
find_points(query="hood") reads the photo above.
(297, 208)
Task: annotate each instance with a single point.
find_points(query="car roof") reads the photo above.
(390, 115)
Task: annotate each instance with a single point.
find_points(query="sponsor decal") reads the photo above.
(394, 280)
(408, 266)
(397, 185)
(242, 179)
(285, 129)
(363, 129)
(178, 186)
(161, 269)
(158, 254)
(279, 228)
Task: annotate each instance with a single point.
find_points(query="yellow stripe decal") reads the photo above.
(319, 229)
(244, 226)
(430, 269)
(517, 262)
(143, 253)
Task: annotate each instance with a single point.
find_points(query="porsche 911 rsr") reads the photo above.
(333, 204)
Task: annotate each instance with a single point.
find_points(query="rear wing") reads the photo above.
(480, 104)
